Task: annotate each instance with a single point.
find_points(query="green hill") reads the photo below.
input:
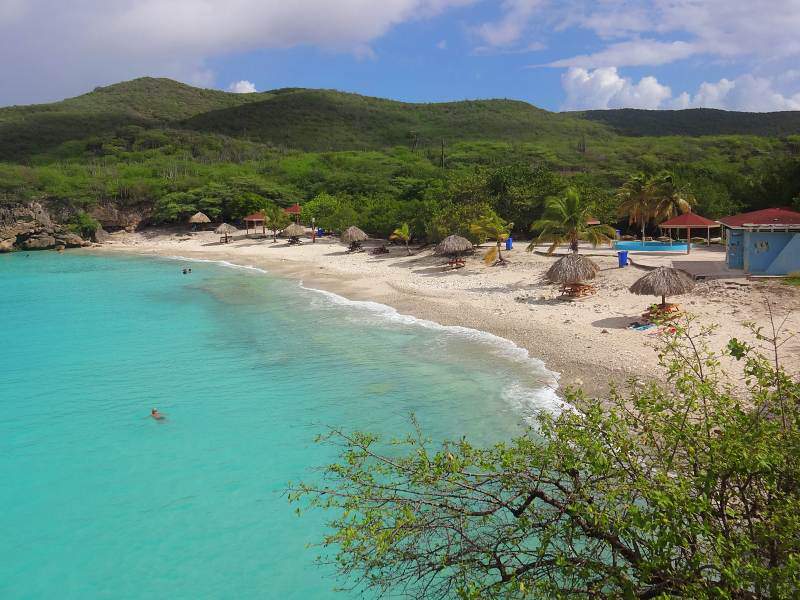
(146, 102)
(322, 120)
(695, 122)
(330, 120)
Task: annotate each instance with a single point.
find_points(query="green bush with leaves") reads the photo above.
(679, 490)
(83, 224)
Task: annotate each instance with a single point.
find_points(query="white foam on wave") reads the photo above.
(223, 263)
(526, 400)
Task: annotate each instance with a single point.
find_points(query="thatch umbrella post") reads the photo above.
(572, 271)
(454, 246)
(226, 229)
(353, 236)
(198, 218)
(293, 232)
(663, 281)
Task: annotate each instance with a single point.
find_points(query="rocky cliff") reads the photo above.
(31, 227)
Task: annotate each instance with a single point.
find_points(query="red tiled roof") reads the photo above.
(767, 216)
(294, 209)
(689, 220)
(257, 216)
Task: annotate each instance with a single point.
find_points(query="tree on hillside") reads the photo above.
(402, 234)
(565, 220)
(675, 490)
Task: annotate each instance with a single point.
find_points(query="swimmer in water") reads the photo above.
(156, 415)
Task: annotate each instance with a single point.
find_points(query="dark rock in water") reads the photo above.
(60, 248)
(40, 242)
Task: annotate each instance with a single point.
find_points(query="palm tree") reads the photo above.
(636, 201)
(669, 197)
(493, 229)
(565, 220)
(277, 219)
(402, 233)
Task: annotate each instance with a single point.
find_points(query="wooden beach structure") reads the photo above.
(689, 221)
(255, 220)
(573, 271)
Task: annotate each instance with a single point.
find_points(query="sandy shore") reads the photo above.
(587, 341)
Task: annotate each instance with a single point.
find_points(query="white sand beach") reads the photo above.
(587, 340)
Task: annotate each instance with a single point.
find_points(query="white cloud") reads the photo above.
(630, 53)
(242, 87)
(51, 48)
(746, 93)
(605, 88)
(511, 26)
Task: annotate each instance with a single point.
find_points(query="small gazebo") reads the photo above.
(689, 221)
(294, 211)
(254, 220)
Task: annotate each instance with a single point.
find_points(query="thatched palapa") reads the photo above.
(353, 234)
(663, 281)
(199, 218)
(571, 269)
(225, 228)
(454, 245)
(294, 231)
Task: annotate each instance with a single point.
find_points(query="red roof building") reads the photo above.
(688, 220)
(774, 217)
(294, 209)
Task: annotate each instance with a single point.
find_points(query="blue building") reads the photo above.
(763, 242)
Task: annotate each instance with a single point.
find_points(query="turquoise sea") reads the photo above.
(100, 501)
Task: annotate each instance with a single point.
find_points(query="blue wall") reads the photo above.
(735, 251)
(771, 252)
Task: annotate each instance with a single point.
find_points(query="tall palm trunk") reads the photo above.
(573, 244)
(499, 251)
(408, 250)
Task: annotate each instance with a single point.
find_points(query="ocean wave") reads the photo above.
(223, 263)
(546, 395)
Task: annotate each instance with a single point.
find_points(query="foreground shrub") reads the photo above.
(686, 489)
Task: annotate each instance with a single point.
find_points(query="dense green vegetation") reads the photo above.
(169, 150)
(680, 490)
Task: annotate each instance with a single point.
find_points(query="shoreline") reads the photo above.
(507, 302)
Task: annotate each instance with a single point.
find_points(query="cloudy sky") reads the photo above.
(557, 54)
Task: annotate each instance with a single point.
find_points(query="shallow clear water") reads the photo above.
(651, 246)
(100, 501)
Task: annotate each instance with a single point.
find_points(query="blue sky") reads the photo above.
(560, 55)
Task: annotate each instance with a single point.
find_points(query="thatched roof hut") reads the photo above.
(454, 245)
(294, 230)
(199, 218)
(663, 281)
(353, 234)
(225, 229)
(571, 269)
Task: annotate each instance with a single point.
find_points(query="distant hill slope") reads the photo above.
(309, 119)
(330, 120)
(27, 130)
(695, 122)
